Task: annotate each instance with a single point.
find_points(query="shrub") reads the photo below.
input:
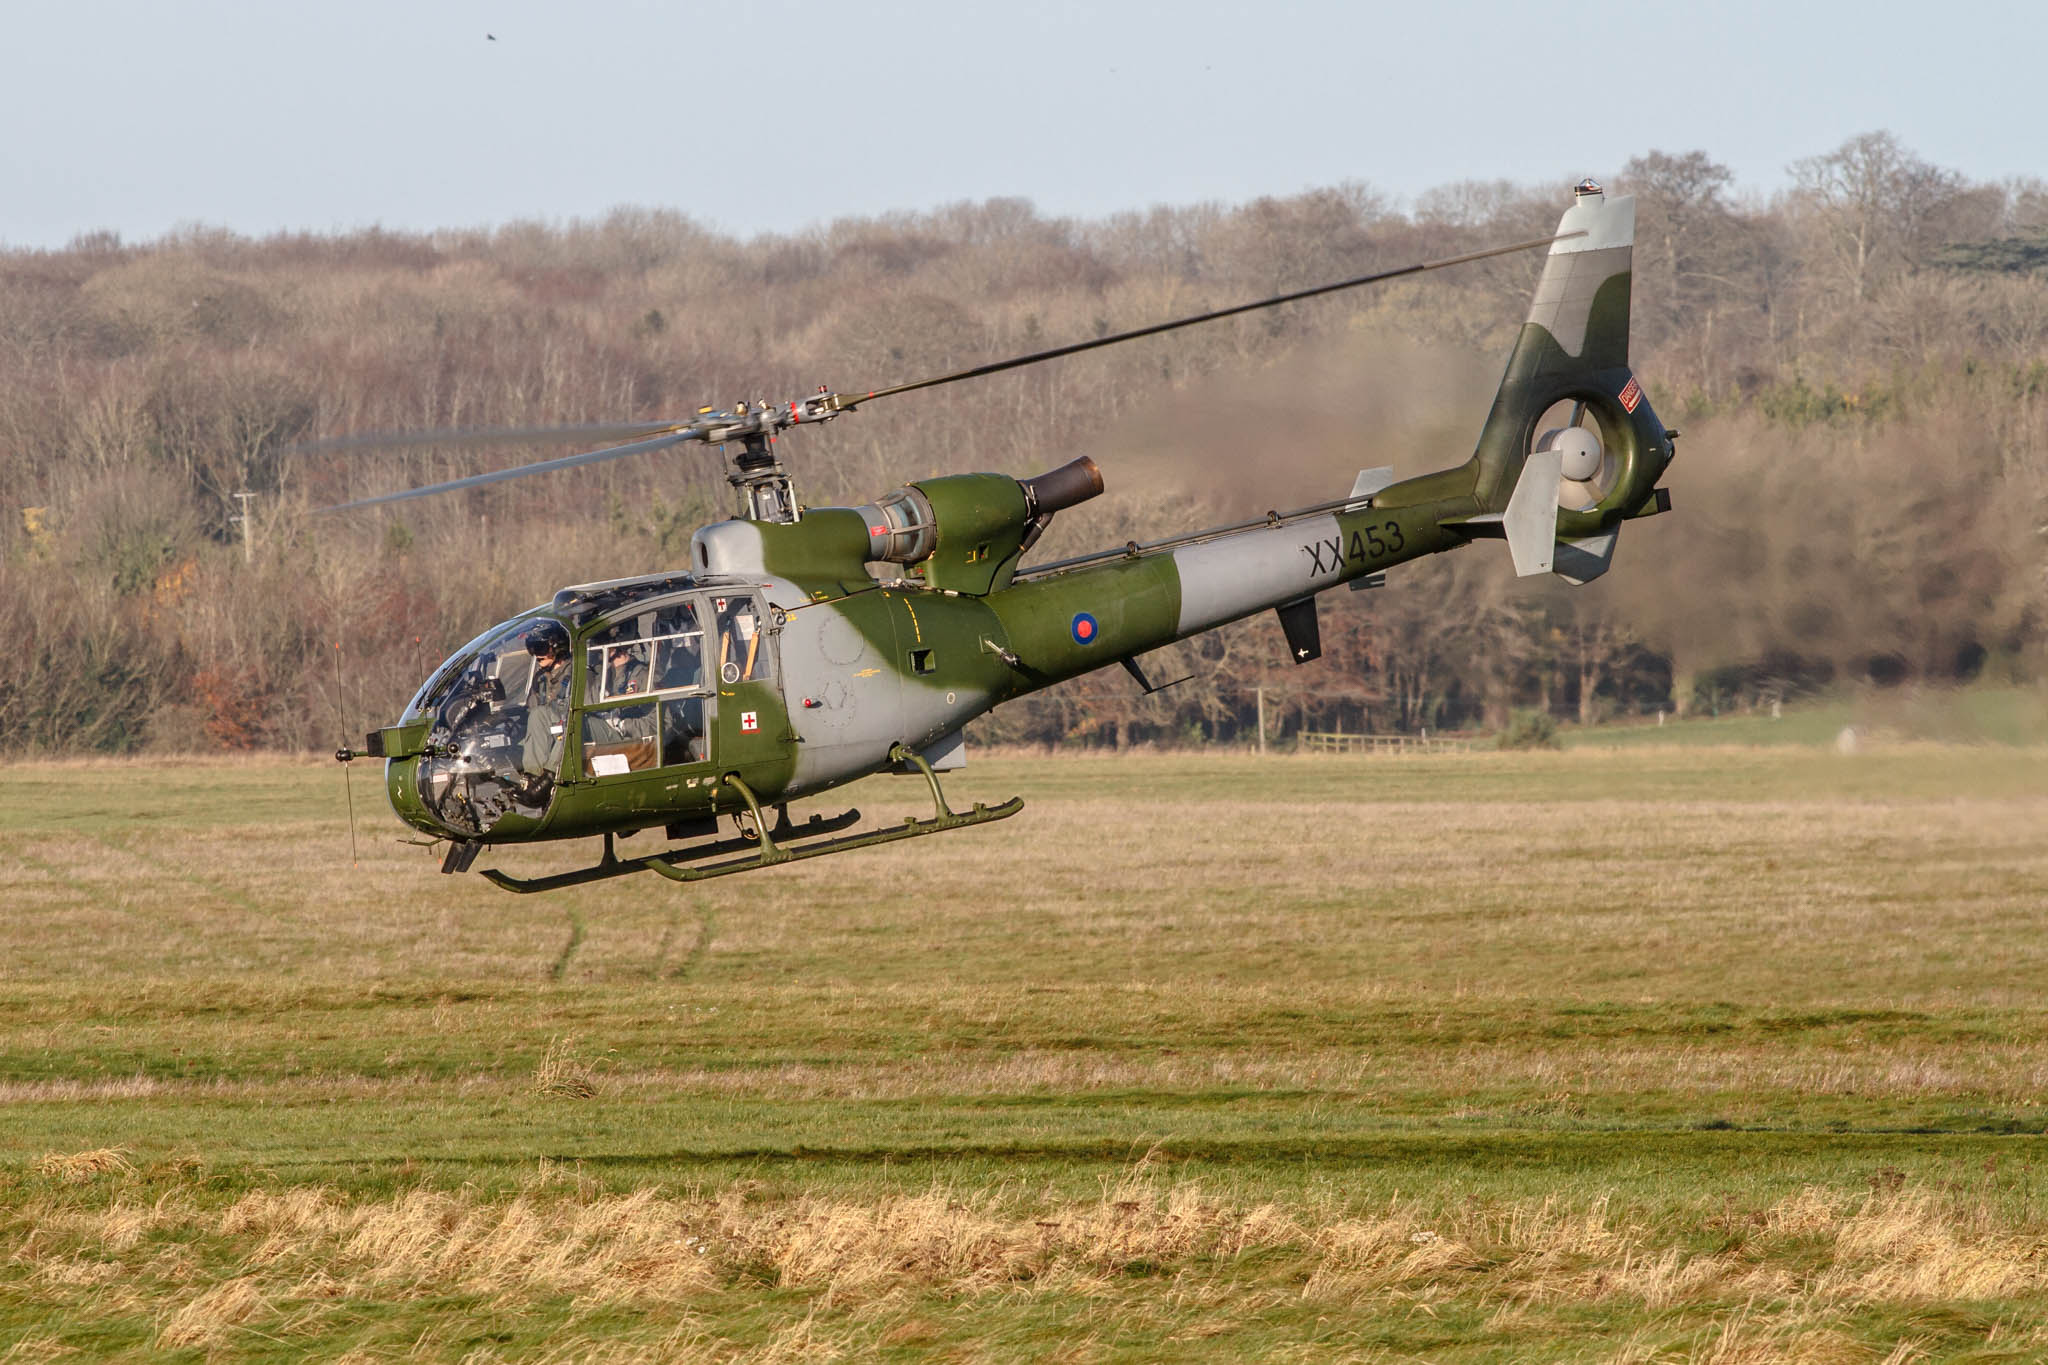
(1529, 730)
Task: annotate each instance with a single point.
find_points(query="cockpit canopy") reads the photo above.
(640, 661)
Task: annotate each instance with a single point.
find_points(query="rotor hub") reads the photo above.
(1579, 449)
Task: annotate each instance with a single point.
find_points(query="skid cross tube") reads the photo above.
(943, 818)
(764, 849)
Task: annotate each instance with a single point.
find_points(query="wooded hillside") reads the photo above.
(1859, 367)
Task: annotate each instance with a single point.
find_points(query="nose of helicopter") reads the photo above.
(402, 790)
(462, 789)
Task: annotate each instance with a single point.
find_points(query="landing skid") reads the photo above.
(766, 850)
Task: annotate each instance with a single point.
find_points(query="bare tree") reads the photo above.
(1874, 206)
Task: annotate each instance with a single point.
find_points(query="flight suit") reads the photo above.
(547, 720)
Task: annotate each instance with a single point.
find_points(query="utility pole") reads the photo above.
(248, 543)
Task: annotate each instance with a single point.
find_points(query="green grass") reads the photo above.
(1198, 1057)
(1973, 715)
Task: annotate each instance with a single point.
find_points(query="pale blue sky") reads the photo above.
(778, 114)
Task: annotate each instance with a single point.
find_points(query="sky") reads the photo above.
(779, 115)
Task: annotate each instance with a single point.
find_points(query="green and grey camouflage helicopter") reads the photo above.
(806, 647)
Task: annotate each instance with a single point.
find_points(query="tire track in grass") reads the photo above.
(707, 926)
(117, 895)
(1621, 1152)
(576, 931)
(60, 876)
(240, 900)
(667, 941)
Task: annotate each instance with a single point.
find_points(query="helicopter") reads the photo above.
(803, 648)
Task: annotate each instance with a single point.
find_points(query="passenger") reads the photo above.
(627, 670)
(625, 674)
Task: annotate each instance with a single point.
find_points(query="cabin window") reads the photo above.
(620, 739)
(500, 713)
(678, 649)
(634, 738)
(659, 654)
(742, 639)
(661, 650)
(921, 661)
(683, 733)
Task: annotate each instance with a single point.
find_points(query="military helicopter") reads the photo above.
(805, 647)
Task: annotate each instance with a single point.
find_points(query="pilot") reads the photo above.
(547, 703)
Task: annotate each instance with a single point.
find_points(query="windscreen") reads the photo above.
(500, 711)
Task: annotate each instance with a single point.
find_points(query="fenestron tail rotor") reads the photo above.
(757, 473)
(1587, 470)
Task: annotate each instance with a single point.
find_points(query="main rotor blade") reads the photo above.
(850, 401)
(674, 436)
(580, 434)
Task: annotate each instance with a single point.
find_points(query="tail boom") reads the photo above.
(1070, 623)
(1572, 348)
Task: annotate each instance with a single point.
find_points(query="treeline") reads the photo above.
(1859, 367)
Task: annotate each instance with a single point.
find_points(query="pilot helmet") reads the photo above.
(547, 638)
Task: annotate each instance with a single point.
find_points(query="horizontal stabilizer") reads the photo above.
(1581, 561)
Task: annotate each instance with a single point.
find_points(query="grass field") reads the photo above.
(1970, 715)
(1654, 1053)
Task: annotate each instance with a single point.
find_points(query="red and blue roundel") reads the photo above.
(1085, 629)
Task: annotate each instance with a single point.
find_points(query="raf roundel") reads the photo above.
(1085, 628)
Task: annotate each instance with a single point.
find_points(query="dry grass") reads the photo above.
(76, 1168)
(562, 1074)
(215, 1315)
(1791, 1280)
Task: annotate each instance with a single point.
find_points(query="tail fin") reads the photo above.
(1571, 485)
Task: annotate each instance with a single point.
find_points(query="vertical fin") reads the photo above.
(1591, 332)
(1575, 337)
(1531, 518)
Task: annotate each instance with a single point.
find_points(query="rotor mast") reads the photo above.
(766, 492)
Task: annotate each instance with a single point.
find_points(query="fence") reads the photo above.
(1320, 742)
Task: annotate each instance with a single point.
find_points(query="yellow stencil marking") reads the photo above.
(915, 629)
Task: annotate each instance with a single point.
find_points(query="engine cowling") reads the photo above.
(966, 530)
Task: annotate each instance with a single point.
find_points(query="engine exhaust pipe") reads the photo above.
(1065, 487)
